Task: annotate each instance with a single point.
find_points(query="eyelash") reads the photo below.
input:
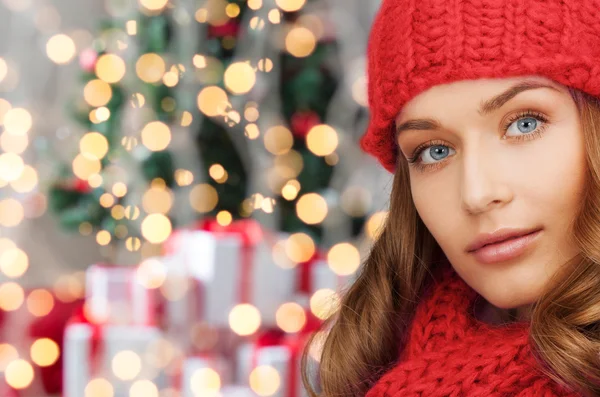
(525, 137)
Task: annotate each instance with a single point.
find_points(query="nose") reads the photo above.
(483, 182)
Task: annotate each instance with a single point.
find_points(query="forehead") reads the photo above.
(463, 96)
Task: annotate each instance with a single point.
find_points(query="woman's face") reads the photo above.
(516, 161)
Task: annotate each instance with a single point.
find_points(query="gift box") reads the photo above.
(272, 363)
(114, 295)
(236, 266)
(205, 375)
(97, 354)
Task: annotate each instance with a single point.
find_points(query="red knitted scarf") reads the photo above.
(451, 353)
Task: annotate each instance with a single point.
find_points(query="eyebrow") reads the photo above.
(485, 107)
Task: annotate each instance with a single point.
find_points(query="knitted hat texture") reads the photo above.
(416, 44)
(451, 353)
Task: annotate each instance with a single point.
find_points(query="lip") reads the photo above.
(507, 249)
(498, 236)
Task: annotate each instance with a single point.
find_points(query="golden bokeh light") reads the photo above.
(93, 145)
(40, 302)
(375, 224)
(343, 259)
(60, 49)
(278, 139)
(290, 317)
(151, 273)
(290, 5)
(14, 262)
(44, 352)
(186, 119)
(156, 136)
(275, 18)
(156, 228)
(99, 387)
(133, 244)
(322, 140)
(119, 189)
(300, 42)
(205, 381)
(110, 68)
(11, 296)
(251, 131)
(97, 92)
(216, 171)
(11, 166)
(84, 167)
(323, 303)
(154, 5)
(254, 4)
(224, 218)
(150, 67)
(131, 27)
(103, 237)
(184, 177)
(17, 121)
(239, 77)
(132, 212)
(126, 365)
(212, 101)
(107, 200)
(232, 10)
(244, 319)
(157, 200)
(299, 247)
(27, 181)
(137, 100)
(264, 380)
(311, 208)
(203, 198)
(11, 212)
(13, 143)
(19, 374)
(143, 388)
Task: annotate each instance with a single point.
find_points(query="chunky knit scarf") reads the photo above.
(451, 353)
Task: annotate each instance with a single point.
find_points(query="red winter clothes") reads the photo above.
(451, 353)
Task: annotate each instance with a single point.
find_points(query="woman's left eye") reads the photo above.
(523, 125)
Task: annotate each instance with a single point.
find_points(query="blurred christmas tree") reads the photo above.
(302, 144)
(90, 192)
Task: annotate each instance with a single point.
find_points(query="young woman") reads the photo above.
(485, 279)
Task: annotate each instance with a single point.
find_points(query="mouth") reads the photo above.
(507, 249)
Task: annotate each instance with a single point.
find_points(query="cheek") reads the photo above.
(437, 206)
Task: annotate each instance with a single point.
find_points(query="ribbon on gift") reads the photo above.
(294, 344)
(96, 338)
(305, 276)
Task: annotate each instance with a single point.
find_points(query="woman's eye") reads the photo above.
(435, 153)
(523, 125)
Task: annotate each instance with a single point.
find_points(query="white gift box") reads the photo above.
(196, 382)
(80, 367)
(278, 357)
(234, 274)
(114, 295)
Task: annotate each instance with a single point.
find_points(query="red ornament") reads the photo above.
(302, 122)
(230, 28)
(81, 186)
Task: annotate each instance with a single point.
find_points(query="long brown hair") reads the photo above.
(363, 338)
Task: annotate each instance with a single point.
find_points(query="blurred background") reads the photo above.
(182, 194)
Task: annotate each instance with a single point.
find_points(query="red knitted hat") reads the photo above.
(414, 45)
